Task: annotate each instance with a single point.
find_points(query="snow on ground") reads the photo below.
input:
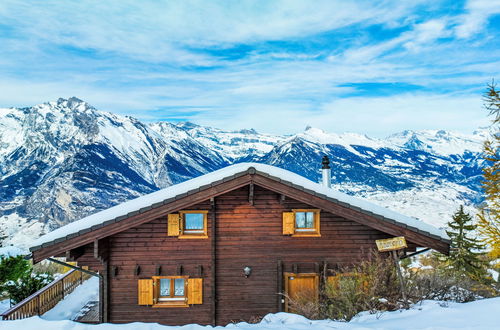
(4, 305)
(428, 315)
(69, 307)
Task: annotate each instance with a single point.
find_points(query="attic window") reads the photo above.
(302, 223)
(193, 224)
(188, 224)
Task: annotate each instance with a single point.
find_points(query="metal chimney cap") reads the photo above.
(326, 163)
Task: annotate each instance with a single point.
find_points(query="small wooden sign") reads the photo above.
(391, 244)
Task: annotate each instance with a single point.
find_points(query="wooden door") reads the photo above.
(300, 289)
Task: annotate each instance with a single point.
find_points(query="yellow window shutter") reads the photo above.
(173, 224)
(195, 291)
(145, 292)
(288, 223)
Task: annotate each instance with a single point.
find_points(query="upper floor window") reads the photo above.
(188, 224)
(302, 222)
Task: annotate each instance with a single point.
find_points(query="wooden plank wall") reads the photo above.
(246, 235)
(252, 236)
(149, 247)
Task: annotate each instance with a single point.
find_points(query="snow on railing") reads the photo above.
(47, 297)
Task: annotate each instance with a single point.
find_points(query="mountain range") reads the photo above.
(63, 160)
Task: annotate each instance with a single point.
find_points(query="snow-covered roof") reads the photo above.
(159, 196)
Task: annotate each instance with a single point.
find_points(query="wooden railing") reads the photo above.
(47, 297)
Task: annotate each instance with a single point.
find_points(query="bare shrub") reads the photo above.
(255, 319)
(370, 286)
(447, 285)
(305, 303)
(373, 286)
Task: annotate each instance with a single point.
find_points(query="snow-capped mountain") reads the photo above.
(428, 184)
(63, 160)
(232, 145)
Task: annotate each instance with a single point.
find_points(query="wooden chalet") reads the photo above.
(226, 246)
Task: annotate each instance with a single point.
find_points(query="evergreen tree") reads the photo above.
(465, 250)
(12, 268)
(489, 215)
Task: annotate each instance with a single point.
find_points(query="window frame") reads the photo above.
(306, 232)
(182, 220)
(176, 301)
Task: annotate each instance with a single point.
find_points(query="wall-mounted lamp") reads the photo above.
(247, 271)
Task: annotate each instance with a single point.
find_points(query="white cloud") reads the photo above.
(478, 12)
(146, 50)
(427, 33)
(161, 30)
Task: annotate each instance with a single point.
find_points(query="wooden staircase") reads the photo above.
(47, 297)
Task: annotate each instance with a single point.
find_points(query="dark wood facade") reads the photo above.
(244, 230)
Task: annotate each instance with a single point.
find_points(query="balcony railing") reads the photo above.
(47, 297)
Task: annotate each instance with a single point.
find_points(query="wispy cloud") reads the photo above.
(334, 64)
(475, 18)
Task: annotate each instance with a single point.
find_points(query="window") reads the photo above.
(302, 223)
(194, 223)
(188, 224)
(170, 291)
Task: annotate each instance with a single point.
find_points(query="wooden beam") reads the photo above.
(281, 198)
(250, 193)
(213, 268)
(199, 270)
(101, 249)
(101, 299)
(74, 254)
(101, 253)
(279, 281)
(106, 289)
(114, 271)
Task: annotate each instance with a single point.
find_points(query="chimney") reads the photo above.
(327, 172)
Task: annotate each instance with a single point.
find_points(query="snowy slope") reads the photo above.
(63, 160)
(428, 315)
(72, 304)
(439, 141)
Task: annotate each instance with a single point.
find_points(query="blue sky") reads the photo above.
(373, 67)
